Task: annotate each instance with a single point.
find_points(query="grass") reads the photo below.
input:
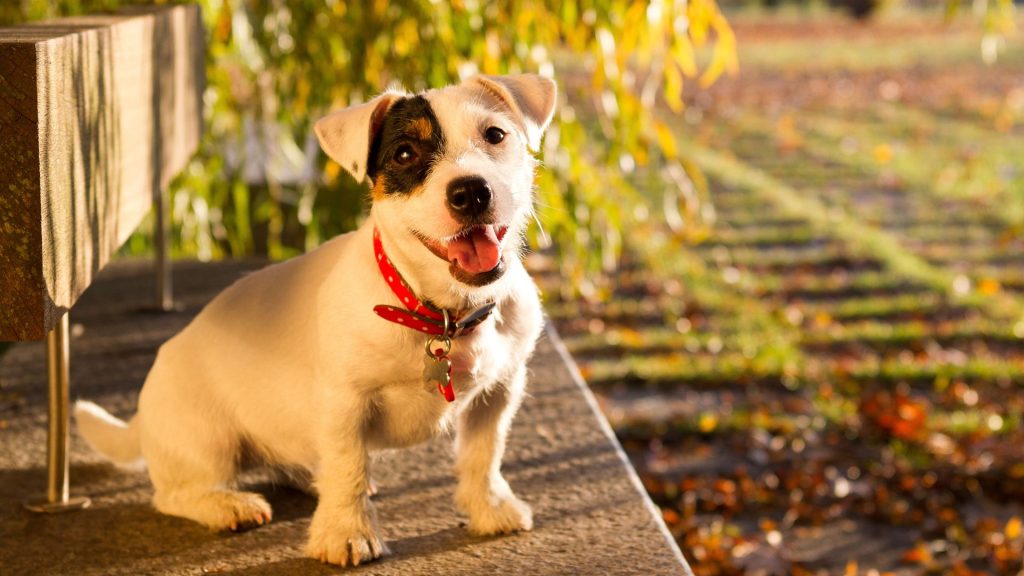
(897, 40)
(858, 235)
(849, 342)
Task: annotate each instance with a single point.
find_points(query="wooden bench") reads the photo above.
(97, 115)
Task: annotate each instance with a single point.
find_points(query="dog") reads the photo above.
(420, 321)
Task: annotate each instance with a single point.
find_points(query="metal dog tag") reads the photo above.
(435, 371)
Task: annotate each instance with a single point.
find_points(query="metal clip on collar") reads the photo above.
(443, 337)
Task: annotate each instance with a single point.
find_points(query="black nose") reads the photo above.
(469, 196)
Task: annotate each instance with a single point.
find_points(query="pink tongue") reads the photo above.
(476, 252)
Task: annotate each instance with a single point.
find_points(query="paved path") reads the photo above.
(591, 516)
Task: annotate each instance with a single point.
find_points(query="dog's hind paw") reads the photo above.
(218, 509)
(242, 511)
(509, 514)
(251, 512)
(343, 546)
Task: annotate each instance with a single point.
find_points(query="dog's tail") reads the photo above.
(108, 435)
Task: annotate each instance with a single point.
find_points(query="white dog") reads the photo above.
(311, 364)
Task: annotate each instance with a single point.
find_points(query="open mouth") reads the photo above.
(474, 250)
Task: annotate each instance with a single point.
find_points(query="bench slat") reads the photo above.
(97, 115)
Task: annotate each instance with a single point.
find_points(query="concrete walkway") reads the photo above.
(591, 516)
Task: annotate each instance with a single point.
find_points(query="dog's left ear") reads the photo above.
(346, 135)
(530, 97)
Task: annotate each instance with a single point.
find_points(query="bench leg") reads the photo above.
(164, 288)
(57, 498)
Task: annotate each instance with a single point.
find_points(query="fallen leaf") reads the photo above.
(882, 153)
(917, 555)
(670, 516)
(1013, 528)
(989, 286)
(707, 422)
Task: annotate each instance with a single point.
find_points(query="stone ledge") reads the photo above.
(591, 513)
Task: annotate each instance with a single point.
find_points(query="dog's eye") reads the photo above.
(494, 135)
(405, 155)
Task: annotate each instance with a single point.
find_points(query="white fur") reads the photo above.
(291, 363)
(116, 439)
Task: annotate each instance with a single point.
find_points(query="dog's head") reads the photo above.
(451, 169)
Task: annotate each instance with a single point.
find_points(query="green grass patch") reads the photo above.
(860, 236)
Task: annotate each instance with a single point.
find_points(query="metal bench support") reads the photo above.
(164, 288)
(57, 498)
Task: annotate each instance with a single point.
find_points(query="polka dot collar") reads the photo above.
(419, 315)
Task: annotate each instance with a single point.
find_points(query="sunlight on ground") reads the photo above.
(832, 380)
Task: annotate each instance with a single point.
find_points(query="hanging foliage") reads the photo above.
(259, 185)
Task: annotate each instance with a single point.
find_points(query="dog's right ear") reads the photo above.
(346, 135)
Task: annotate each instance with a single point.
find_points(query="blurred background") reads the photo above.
(783, 239)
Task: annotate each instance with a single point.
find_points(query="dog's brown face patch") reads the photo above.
(420, 128)
(405, 148)
(380, 187)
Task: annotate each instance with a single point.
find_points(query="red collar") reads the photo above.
(420, 315)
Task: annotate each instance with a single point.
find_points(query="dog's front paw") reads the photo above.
(499, 515)
(343, 541)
